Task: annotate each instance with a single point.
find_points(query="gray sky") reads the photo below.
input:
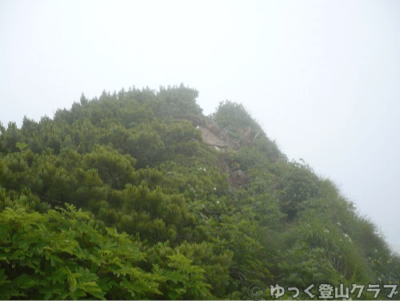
(321, 77)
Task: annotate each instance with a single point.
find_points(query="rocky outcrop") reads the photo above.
(247, 134)
(238, 177)
(217, 137)
(221, 139)
(212, 140)
(222, 135)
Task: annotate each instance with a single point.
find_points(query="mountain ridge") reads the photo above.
(137, 194)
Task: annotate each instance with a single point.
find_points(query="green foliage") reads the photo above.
(177, 101)
(232, 116)
(68, 247)
(113, 168)
(299, 184)
(160, 214)
(235, 119)
(9, 138)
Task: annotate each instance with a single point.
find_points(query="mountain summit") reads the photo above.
(138, 195)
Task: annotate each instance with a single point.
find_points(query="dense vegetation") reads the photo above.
(120, 198)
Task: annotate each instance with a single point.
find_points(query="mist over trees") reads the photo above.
(120, 197)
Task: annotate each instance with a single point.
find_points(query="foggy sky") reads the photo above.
(321, 77)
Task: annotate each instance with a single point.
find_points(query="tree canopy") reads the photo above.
(120, 197)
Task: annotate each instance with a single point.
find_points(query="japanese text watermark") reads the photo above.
(257, 291)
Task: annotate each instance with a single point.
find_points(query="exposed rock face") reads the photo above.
(247, 134)
(238, 177)
(222, 135)
(212, 140)
(217, 137)
(220, 139)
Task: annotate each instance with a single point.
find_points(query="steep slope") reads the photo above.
(176, 205)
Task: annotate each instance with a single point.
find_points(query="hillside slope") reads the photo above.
(138, 195)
